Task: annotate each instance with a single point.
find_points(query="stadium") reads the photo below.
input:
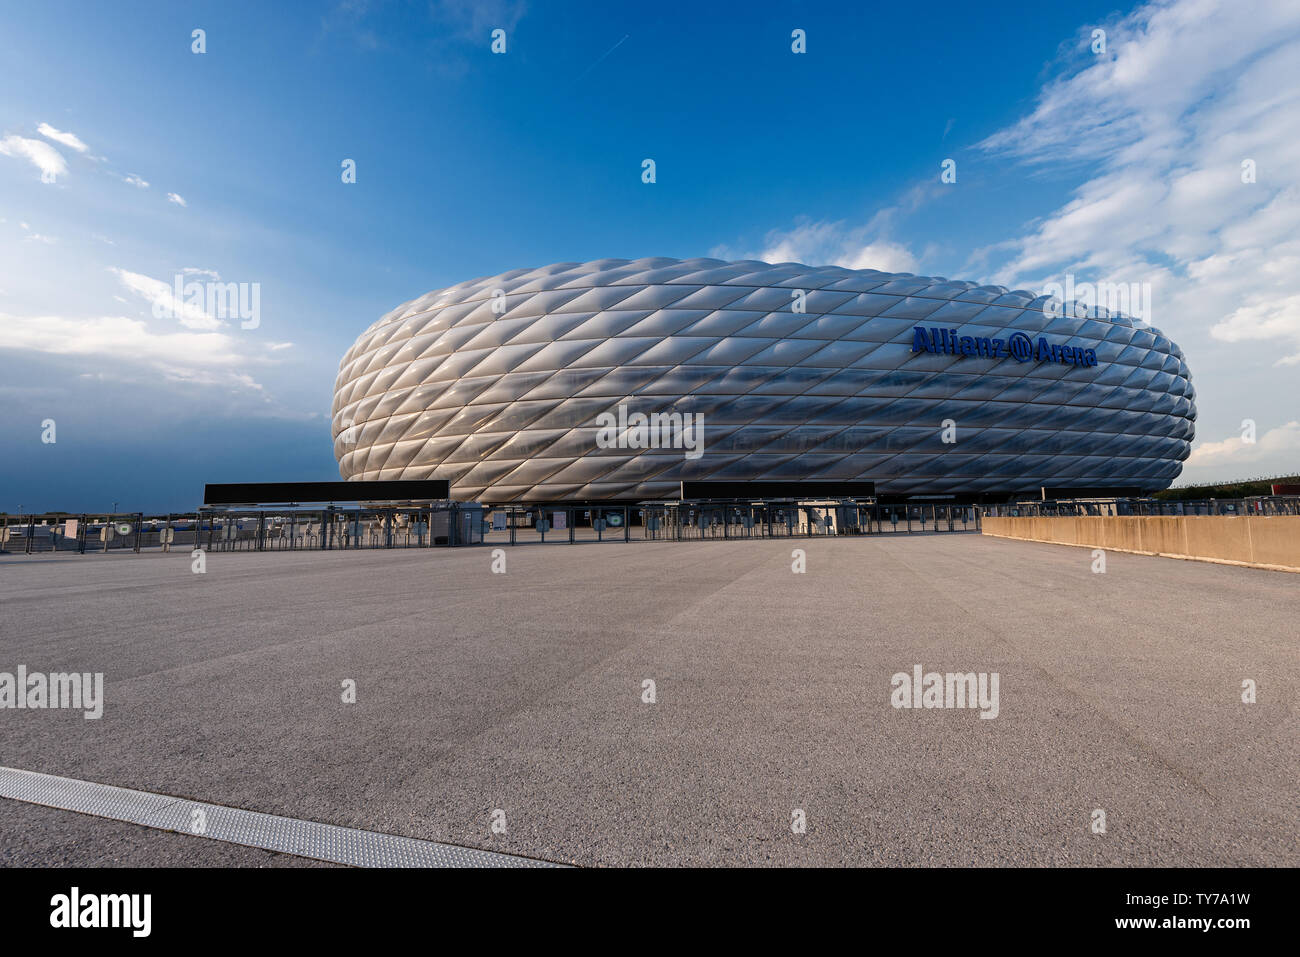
(536, 385)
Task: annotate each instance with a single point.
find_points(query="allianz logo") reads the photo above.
(1017, 346)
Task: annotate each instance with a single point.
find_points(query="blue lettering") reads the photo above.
(935, 339)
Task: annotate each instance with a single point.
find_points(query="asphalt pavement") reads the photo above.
(525, 693)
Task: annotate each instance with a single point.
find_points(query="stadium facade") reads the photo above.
(580, 381)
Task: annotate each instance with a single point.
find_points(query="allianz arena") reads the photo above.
(924, 386)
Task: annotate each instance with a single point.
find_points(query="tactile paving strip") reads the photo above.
(324, 842)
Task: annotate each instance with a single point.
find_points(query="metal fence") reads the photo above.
(225, 530)
(340, 528)
(570, 523)
(1257, 505)
(74, 533)
(712, 520)
(457, 524)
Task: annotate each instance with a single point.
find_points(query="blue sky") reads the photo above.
(1122, 166)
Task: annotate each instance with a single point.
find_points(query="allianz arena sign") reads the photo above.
(1016, 346)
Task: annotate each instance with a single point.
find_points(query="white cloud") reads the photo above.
(471, 19)
(70, 140)
(1279, 444)
(39, 153)
(1262, 320)
(35, 237)
(177, 199)
(825, 243)
(115, 342)
(162, 298)
(885, 256)
(1190, 90)
(136, 181)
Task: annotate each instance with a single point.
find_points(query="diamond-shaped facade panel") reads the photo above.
(799, 372)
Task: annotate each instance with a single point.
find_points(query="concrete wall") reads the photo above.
(1259, 541)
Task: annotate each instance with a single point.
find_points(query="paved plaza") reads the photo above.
(524, 693)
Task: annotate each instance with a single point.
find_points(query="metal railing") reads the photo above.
(62, 532)
(242, 530)
(454, 524)
(335, 528)
(709, 520)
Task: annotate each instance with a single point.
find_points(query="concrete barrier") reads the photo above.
(1267, 541)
